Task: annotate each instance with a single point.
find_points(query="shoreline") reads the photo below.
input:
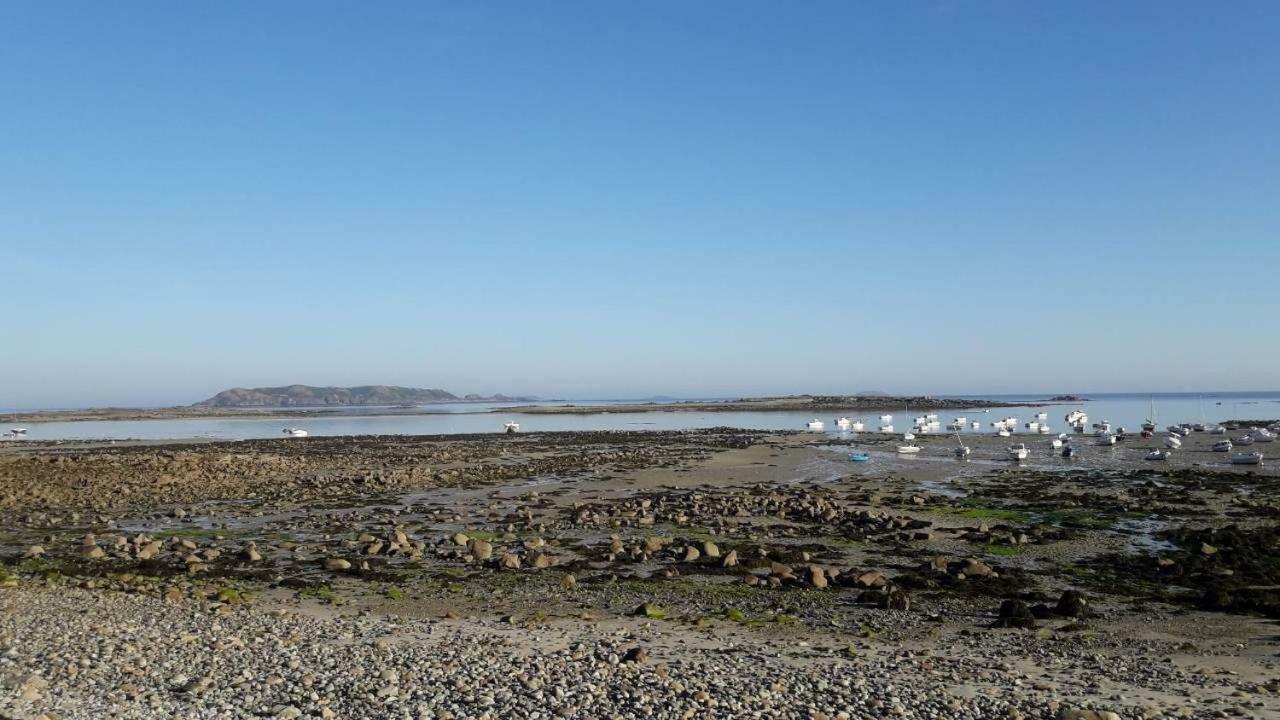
(823, 403)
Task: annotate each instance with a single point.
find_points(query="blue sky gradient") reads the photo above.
(593, 199)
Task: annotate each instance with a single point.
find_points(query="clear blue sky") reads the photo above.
(595, 199)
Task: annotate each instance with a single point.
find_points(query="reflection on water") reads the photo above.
(1127, 411)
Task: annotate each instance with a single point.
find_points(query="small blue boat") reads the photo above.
(859, 457)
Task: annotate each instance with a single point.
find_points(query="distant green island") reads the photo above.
(313, 396)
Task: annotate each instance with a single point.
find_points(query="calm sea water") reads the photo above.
(1127, 410)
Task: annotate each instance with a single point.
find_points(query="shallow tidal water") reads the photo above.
(1122, 410)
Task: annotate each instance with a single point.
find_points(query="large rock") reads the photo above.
(817, 577)
(1015, 614)
(872, 579)
(481, 550)
(977, 568)
(1078, 714)
(1072, 604)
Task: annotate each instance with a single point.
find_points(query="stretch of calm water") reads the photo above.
(1120, 409)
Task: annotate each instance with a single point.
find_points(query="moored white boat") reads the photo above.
(295, 432)
(1157, 455)
(908, 449)
(1222, 446)
(1017, 451)
(908, 436)
(1105, 438)
(1004, 433)
(975, 425)
(1217, 430)
(1261, 435)
(886, 419)
(886, 428)
(18, 431)
(856, 426)
(1056, 443)
(1244, 440)
(1173, 442)
(511, 426)
(1249, 458)
(844, 423)
(814, 424)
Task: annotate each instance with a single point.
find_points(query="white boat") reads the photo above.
(1042, 416)
(296, 432)
(1056, 443)
(1244, 440)
(1157, 455)
(908, 436)
(1075, 416)
(1222, 446)
(1078, 426)
(956, 426)
(1017, 451)
(1261, 435)
(814, 424)
(975, 425)
(931, 417)
(18, 431)
(1103, 426)
(962, 450)
(511, 426)
(1249, 458)
(908, 449)
(844, 423)
(886, 419)
(1105, 438)
(1178, 430)
(1004, 433)
(886, 428)
(1046, 430)
(1172, 442)
(1217, 430)
(1033, 426)
(856, 426)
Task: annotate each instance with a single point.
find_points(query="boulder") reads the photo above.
(1015, 614)
(1072, 604)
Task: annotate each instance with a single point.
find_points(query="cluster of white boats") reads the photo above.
(1077, 420)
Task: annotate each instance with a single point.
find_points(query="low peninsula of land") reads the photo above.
(825, 403)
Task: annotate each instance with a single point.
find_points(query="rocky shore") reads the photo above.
(718, 573)
(823, 403)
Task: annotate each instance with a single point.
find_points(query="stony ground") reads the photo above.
(703, 574)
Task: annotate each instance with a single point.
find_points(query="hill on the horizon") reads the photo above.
(312, 396)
